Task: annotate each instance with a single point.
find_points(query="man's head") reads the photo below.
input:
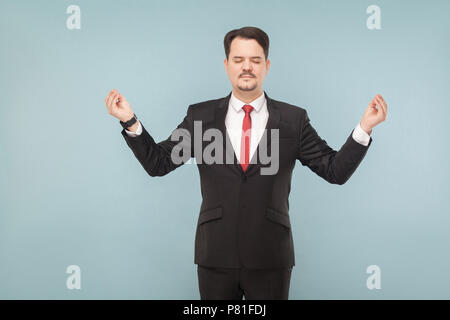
(246, 62)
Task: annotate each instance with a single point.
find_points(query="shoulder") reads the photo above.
(206, 107)
(290, 111)
(206, 104)
(204, 110)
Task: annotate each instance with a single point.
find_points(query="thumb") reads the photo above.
(121, 98)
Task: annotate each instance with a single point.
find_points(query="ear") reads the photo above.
(225, 62)
(267, 66)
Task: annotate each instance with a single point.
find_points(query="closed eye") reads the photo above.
(238, 61)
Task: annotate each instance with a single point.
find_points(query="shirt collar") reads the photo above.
(256, 104)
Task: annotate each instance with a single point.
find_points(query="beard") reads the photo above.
(248, 87)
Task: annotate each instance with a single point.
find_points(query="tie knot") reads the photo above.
(247, 108)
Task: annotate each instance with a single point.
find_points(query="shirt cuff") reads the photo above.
(138, 131)
(360, 136)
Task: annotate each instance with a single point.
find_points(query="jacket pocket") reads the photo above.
(278, 217)
(210, 214)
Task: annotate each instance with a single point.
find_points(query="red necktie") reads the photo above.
(245, 138)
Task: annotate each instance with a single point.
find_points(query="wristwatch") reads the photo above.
(129, 123)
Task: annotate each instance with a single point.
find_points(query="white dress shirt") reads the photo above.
(235, 118)
(259, 116)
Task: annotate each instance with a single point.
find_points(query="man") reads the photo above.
(243, 243)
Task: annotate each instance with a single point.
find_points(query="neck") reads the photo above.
(247, 96)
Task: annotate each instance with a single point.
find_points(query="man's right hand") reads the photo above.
(118, 106)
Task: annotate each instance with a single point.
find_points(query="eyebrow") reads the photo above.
(256, 57)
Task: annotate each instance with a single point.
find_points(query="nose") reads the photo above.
(247, 66)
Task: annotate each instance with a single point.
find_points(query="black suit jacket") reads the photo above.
(244, 217)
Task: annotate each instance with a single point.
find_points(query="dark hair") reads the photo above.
(247, 33)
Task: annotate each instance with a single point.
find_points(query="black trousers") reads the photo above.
(233, 284)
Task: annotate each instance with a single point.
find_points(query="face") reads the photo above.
(246, 65)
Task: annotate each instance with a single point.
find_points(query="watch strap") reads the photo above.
(129, 123)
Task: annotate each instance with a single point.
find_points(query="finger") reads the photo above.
(107, 96)
(107, 99)
(382, 105)
(122, 98)
(112, 100)
(112, 93)
(380, 97)
(380, 108)
(377, 100)
(108, 102)
(116, 97)
(382, 114)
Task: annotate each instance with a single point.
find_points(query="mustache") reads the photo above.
(247, 74)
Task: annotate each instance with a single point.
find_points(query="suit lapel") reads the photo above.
(272, 123)
(229, 159)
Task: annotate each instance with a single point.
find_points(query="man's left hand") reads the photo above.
(375, 113)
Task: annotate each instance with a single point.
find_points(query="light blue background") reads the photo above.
(72, 191)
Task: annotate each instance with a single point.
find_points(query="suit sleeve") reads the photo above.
(156, 158)
(334, 166)
(138, 130)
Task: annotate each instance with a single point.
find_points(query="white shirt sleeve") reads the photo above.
(360, 136)
(138, 131)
